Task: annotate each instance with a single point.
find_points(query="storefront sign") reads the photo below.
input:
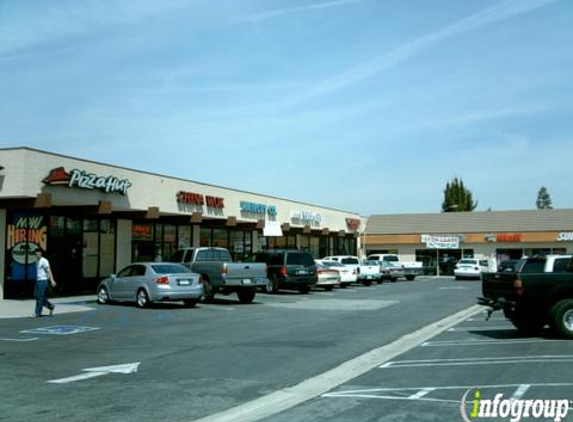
(565, 237)
(24, 234)
(142, 232)
(191, 198)
(441, 242)
(259, 209)
(83, 180)
(353, 223)
(508, 237)
(306, 217)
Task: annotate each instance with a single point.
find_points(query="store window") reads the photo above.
(221, 238)
(314, 247)
(237, 244)
(143, 242)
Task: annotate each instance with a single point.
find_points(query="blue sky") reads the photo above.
(369, 106)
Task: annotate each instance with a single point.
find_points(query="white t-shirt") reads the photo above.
(42, 266)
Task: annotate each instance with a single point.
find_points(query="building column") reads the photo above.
(123, 244)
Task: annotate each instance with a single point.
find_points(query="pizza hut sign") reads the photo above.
(83, 180)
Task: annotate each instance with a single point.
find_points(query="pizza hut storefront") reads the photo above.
(92, 219)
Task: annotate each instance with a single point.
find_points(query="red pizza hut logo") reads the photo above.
(83, 180)
(57, 176)
(352, 223)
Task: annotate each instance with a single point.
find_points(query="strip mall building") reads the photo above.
(94, 218)
(444, 238)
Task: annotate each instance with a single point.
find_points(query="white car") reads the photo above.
(348, 275)
(470, 268)
(328, 277)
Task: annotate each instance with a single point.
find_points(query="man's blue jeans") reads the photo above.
(41, 299)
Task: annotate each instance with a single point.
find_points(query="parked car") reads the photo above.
(349, 261)
(368, 272)
(470, 268)
(348, 275)
(390, 272)
(328, 278)
(544, 264)
(148, 282)
(287, 269)
(530, 300)
(508, 266)
(411, 269)
(220, 274)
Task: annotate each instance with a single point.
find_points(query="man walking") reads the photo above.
(43, 277)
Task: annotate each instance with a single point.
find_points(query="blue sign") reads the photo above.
(261, 209)
(61, 330)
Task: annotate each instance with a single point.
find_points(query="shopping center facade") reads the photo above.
(94, 218)
(446, 237)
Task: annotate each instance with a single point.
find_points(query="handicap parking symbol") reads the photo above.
(61, 330)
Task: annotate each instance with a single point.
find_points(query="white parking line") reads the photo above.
(284, 399)
(449, 343)
(19, 339)
(484, 328)
(521, 390)
(421, 393)
(477, 361)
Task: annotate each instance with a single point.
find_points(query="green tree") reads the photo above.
(457, 197)
(543, 200)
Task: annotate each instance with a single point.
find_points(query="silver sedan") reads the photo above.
(148, 282)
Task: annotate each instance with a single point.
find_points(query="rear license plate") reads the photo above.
(183, 282)
(247, 281)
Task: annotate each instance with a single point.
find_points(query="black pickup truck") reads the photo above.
(532, 299)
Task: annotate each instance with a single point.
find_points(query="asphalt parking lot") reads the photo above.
(214, 361)
(429, 382)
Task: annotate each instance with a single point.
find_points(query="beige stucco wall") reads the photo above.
(25, 170)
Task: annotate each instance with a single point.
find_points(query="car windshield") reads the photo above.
(332, 264)
(295, 258)
(391, 258)
(468, 261)
(169, 268)
(352, 261)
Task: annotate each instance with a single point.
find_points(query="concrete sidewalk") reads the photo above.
(64, 305)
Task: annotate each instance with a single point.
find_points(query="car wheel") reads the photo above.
(366, 283)
(562, 318)
(304, 289)
(271, 286)
(379, 281)
(208, 291)
(102, 296)
(393, 279)
(142, 298)
(246, 295)
(190, 303)
(410, 277)
(328, 288)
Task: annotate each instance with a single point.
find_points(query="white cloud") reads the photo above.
(27, 24)
(258, 17)
(505, 10)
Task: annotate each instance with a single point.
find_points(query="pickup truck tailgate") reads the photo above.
(496, 285)
(244, 271)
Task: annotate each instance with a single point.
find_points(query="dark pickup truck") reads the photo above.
(531, 298)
